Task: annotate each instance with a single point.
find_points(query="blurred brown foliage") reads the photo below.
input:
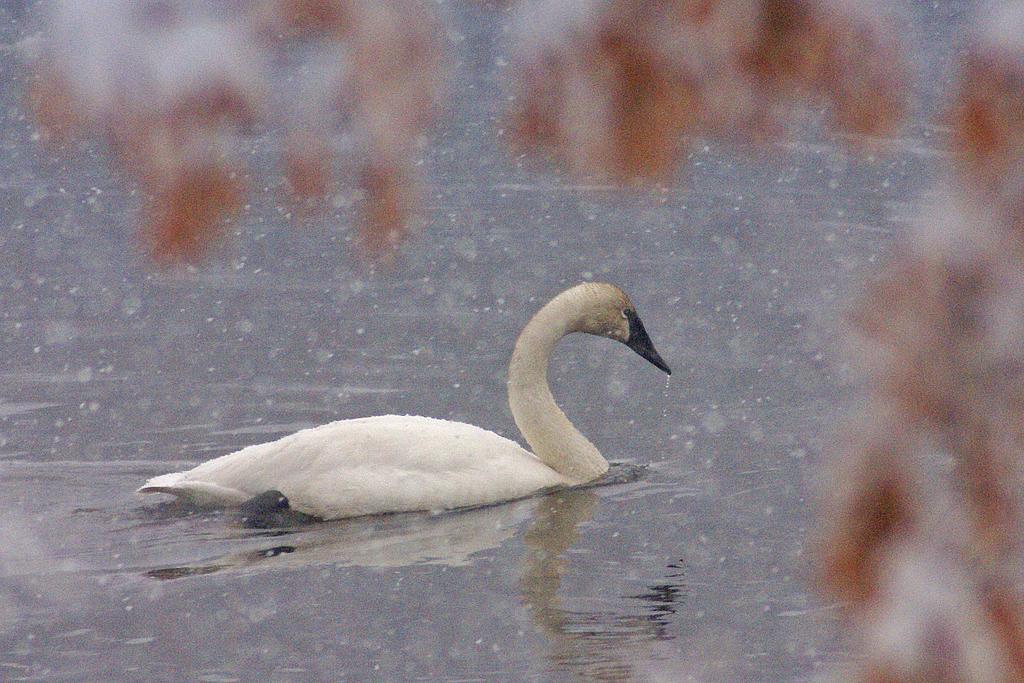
(172, 87)
(611, 87)
(930, 559)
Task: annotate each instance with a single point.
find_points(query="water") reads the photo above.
(112, 372)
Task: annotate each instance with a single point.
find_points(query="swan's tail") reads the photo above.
(195, 491)
(165, 483)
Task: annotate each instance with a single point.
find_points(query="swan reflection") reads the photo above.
(597, 644)
(385, 541)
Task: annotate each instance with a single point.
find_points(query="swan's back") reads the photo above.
(388, 463)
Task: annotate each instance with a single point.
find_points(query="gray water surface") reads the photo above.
(112, 371)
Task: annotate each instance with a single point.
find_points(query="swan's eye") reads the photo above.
(624, 314)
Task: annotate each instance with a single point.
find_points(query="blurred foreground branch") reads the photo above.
(929, 555)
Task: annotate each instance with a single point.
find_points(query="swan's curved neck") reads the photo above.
(546, 428)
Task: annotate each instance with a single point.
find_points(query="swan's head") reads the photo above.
(609, 313)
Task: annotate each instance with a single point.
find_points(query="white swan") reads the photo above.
(393, 463)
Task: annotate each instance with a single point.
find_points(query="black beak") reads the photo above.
(640, 342)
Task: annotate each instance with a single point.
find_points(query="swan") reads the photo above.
(405, 463)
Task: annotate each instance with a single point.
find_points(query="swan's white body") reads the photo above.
(394, 463)
(388, 463)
